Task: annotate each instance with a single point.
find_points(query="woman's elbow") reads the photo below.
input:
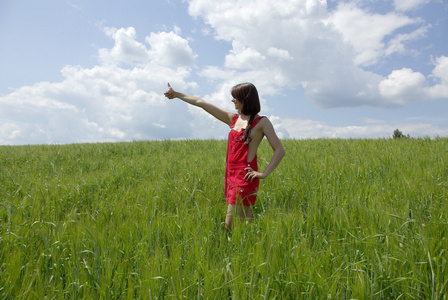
(281, 152)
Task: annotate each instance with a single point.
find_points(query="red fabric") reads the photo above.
(237, 190)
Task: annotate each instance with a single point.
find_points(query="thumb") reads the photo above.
(169, 85)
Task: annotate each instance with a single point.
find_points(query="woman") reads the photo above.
(247, 131)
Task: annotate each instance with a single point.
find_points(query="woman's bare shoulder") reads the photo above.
(266, 126)
(264, 121)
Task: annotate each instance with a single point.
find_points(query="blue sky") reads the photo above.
(95, 71)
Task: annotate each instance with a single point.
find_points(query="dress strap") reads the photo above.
(255, 122)
(235, 117)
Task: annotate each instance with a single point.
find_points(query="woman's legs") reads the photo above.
(229, 216)
(243, 211)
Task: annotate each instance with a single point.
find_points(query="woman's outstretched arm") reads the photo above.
(218, 113)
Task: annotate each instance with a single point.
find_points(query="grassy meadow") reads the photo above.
(338, 219)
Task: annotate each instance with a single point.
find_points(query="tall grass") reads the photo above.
(338, 219)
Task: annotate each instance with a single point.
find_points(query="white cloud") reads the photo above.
(405, 5)
(10, 131)
(280, 43)
(290, 43)
(242, 57)
(309, 129)
(279, 53)
(305, 129)
(215, 73)
(169, 49)
(367, 31)
(403, 86)
(103, 103)
(166, 48)
(397, 44)
(126, 49)
(440, 75)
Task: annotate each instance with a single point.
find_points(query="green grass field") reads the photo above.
(338, 219)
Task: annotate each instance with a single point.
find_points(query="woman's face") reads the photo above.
(238, 104)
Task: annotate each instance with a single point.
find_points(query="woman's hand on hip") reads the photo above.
(251, 174)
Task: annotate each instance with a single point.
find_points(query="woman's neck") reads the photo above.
(244, 117)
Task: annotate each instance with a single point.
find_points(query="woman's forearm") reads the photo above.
(189, 99)
(218, 113)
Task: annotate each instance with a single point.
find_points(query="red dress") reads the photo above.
(238, 190)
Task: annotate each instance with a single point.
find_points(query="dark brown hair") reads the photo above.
(247, 94)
